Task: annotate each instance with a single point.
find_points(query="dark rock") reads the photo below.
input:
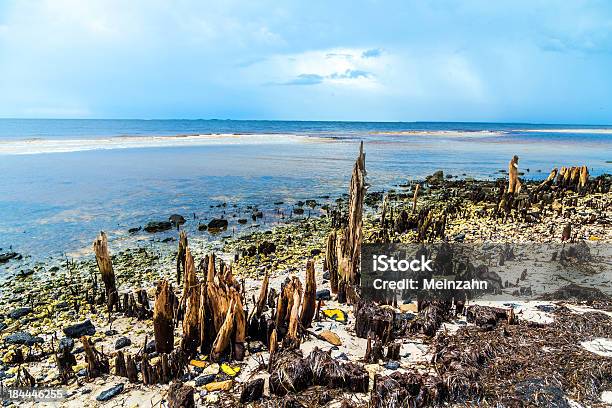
(150, 348)
(19, 312)
(459, 237)
(3, 326)
(323, 294)
(82, 372)
(23, 338)
(279, 202)
(177, 219)
(217, 224)
(392, 365)
(202, 227)
(158, 226)
(24, 273)
(110, 393)
(242, 221)
(66, 344)
(80, 329)
(436, 178)
(298, 211)
(134, 230)
(122, 342)
(204, 379)
(252, 391)
(326, 275)
(311, 203)
(111, 332)
(7, 256)
(266, 248)
(545, 308)
(169, 239)
(315, 252)
(62, 306)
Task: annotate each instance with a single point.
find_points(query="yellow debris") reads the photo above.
(198, 363)
(335, 314)
(231, 371)
(219, 386)
(331, 338)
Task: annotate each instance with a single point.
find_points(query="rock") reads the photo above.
(315, 252)
(122, 342)
(252, 391)
(266, 248)
(150, 348)
(202, 227)
(110, 393)
(392, 365)
(242, 221)
(158, 226)
(436, 178)
(298, 211)
(204, 379)
(24, 273)
(3, 326)
(80, 329)
(134, 230)
(177, 219)
(323, 294)
(459, 237)
(66, 344)
(7, 256)
(219, 386)
(311, 203)
(23, 338)
(19, 312)
(111, 332)
(180, 396)
(217, 224)
(326, 275)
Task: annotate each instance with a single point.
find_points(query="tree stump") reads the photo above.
(105, 265)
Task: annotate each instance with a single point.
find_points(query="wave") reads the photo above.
(447, 133)
(598, 131)
(42, 146)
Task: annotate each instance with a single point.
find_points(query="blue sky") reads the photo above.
(519, 61)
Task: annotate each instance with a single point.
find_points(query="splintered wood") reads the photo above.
(105, 265)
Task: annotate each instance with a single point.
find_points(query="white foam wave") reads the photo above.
(600, 131)
(446, 133)
(40, 146)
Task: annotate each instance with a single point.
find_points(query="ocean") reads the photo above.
(62, 181)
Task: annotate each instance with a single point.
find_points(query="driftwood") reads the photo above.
(163, 318)
(136, 304)
(223, 337)
(414, 198)
(105, 265)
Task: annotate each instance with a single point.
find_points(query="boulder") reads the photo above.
(22, 338)
(85, 328)
(7, 256)
(19, 312)
(122, 342)
(177, 219)
(158, 226)
(436, 178)
(217, 224)
(110, 393)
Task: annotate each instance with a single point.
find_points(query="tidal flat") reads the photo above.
(271, 316)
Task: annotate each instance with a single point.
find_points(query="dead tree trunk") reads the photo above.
(350, 249)
(309, 303)
(180, 258)
(414, 198)
(191, 303)
(331, 261)
(163, 315)
(514, 185)
(97, 363)
(105, 265)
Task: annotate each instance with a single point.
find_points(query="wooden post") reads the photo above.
(514, 185)
(97, 363)
(414, 198)
(350, 249)
(180, 258)
(191, 302)
(331, 261)
(105, 265)
(224, 335)
(310, 294)
(163, 315)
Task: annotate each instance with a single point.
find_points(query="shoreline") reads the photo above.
(60, 297)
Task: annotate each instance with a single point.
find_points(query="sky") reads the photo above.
(489, 61)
